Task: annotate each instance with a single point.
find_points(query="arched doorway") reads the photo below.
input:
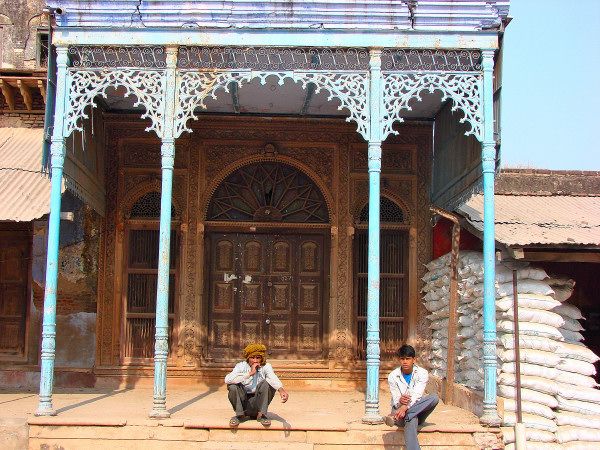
(267, 251)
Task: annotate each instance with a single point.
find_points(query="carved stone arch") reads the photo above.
(137, 193)
(307, 171)
(83, 86)
(406, 210)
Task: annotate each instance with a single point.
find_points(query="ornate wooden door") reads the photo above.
(267, 288)
(14, 270)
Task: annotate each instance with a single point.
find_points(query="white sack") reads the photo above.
(508, 436)
(540, 357)
(577, 406)
(576, 351)
(532, 301)
(531, 370)
(570, 433)
(575, 379)
(537, 445)
(577, 366)
(568, 310)
(535, 316)
(578, 445)
(439, 324)
(578, 420)
(524, 287)
(538, 409)
(531, 382)
(562, 293)
(528, 395)
(530, 421)
(572, 324)
(530, 342)
(571, 336)
(530, 329)
(583, 394)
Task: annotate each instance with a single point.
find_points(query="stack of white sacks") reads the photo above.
(560, 402)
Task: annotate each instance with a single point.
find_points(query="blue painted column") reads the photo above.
(372, 415)
(161, 342)
(490, 414)
(57, 155)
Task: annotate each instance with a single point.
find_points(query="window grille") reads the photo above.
(389, 212)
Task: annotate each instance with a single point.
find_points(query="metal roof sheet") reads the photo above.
(543, 220)
(24, 190)
(291, 14)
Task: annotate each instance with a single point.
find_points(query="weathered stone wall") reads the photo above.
(77, 285)
(20, 22)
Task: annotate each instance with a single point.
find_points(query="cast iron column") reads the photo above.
(57, 155)
(161, 343)
(372, 415)
(488, 161)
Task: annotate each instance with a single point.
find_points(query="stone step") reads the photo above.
(13, 433)
(189, 435)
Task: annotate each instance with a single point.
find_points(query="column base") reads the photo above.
(490, 419)
(373, 418)
(45, 411)
(159, 414)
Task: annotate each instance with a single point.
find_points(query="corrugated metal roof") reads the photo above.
(544, 220)
(24, 190)
(295, 14)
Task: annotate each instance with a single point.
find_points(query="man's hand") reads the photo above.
(253, 368)
(401, 412)
(405, 399)
(284, 395)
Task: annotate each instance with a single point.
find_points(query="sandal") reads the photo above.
(234, 421)
(264, 421)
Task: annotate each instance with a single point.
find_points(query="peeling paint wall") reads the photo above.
(77, 284)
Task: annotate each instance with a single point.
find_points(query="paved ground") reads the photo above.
(209, 408)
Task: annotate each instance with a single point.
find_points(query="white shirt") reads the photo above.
(242, 369)
(399, 387)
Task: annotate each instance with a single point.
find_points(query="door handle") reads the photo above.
(268, 321)
(269, 284)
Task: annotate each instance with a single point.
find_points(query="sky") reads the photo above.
(551, 85)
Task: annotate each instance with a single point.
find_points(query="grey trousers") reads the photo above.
(416, 415)
(250, 404)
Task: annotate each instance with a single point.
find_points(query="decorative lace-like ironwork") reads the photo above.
(273, 58)
(463, 89)
(148, 207)
(389, 212)
(268, 192)
(431, 60)
(146, 85)
(349, 88)
(122, 57)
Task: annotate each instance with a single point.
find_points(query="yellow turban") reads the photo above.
(255, 350)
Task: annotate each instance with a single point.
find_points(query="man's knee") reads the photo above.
(433, 400)
(232, 388)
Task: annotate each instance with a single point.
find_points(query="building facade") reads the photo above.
(238, 204)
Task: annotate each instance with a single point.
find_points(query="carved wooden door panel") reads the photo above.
(14, 254)
(268, 288)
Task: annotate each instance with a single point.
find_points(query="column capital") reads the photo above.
(375, 58)
(487, 59)
(171, 51)
(62, 56)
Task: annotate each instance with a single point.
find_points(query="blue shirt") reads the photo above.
(407, 377)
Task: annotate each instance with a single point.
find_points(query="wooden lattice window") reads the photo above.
(393, 278)
(268, 192)
(141, 276)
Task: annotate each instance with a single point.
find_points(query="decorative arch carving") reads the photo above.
(136, 194)
(464, 89)
(349, 88)
(212, 188)
(385, 194)
(147, 86)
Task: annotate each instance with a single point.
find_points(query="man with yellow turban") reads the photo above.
(252, 384)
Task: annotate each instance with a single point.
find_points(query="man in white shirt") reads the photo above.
(252, 384)
(409, 406)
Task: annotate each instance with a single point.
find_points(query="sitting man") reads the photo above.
(252, 384)
(409, 406)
